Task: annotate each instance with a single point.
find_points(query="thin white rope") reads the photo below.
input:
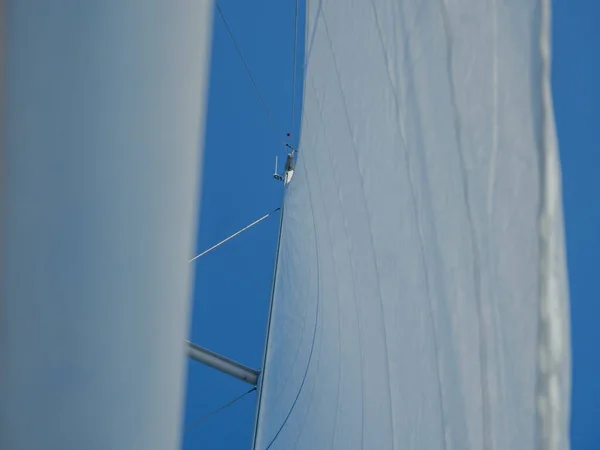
(233, 235)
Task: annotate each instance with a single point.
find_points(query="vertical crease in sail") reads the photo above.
(554, 365)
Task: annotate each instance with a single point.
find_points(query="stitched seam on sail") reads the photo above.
(312, 38)
(418, 221)
(315, 329)
(318, 361)
(486, 436)
(382, 309)
(360, 339)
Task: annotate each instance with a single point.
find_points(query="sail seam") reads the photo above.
(486, 435)
(425, 265)
(312, 392)
(285, 381)
(317, 365)
(314, 333)
(352, 268)
(318, 359)
(269, 318)
(309, 45)
(495, 316)
(372, 240)
(494, 157)
(327, 221)
(305, 67)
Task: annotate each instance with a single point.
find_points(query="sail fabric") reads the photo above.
(420, 297)
(102, 130)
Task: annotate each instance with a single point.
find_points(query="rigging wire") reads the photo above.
(239, 397)
(234, 235)
(256, 88)
(294, 68)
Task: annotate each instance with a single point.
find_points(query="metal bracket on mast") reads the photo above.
(223, 364)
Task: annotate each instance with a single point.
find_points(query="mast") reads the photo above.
(222, 363)
(271, 301)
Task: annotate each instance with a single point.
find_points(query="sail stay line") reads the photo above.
(226, 405)
(233, 235)
(285, 144)
(249, 72)
(294, 68)
(253, 80)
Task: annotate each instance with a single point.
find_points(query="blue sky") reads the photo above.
(576, 88)
(233, 283)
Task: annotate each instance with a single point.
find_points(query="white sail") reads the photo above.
(420, 298)
(103, 107)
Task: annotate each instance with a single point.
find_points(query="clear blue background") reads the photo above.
(233, 283)
(576, 89)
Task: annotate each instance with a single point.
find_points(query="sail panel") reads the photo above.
(410, 279)
(103, 116)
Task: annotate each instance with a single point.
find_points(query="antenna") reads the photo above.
(276, 175)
